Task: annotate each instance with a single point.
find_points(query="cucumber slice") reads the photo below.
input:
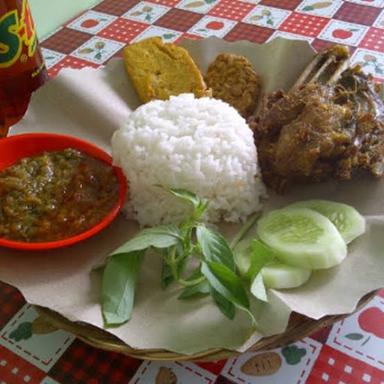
(347, 220)
(302, 237)
(282, 276)
(258, 288)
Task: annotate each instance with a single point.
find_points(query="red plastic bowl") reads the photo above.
(16, 147)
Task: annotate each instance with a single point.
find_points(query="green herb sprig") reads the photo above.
(190, 246)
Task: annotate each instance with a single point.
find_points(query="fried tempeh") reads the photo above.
(234, 81)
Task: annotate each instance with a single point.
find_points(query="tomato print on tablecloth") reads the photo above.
(343, 33)
(362, 334)
(212, 26)
(91, 22)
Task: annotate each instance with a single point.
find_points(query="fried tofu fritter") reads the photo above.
(159, 70)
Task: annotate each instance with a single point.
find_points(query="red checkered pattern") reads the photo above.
(223, 380)
(170, 3)
(15, 370)
(214, 367)
(190, 37)
(321, 335)
(284, 4)
(179, 20)
(82, 364)
(113, 7)
(356, 13)
(234, 10)
(334, 367)
(243, 31)
(11, 301)
(66, 40)
(374, 39)
(305, 25)
(123, 30)
(70, 62)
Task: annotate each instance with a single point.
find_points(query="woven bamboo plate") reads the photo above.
(299, 327)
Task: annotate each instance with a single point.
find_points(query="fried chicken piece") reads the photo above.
(234, 81)
(316, 131)
(358, 90)
(300, 135)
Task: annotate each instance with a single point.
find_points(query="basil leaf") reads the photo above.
(214, 247)
(258, 288)
(227, 308)
(259, 255)
(118, 287)
(198, 290)
(158, 237)
(225, 282)
(195, 200)
(166, 275)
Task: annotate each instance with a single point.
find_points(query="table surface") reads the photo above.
(48, 15)
(352, 351)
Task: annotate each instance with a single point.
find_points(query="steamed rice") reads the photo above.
(202, 145)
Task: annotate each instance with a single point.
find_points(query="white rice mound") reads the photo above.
(202, 145)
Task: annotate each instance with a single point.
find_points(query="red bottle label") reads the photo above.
(17, 30)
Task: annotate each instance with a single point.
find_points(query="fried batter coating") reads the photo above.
(234, 81)
(159, 70)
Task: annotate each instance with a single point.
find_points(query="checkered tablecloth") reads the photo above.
(352, 351)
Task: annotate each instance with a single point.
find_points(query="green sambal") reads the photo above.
(55, 195)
